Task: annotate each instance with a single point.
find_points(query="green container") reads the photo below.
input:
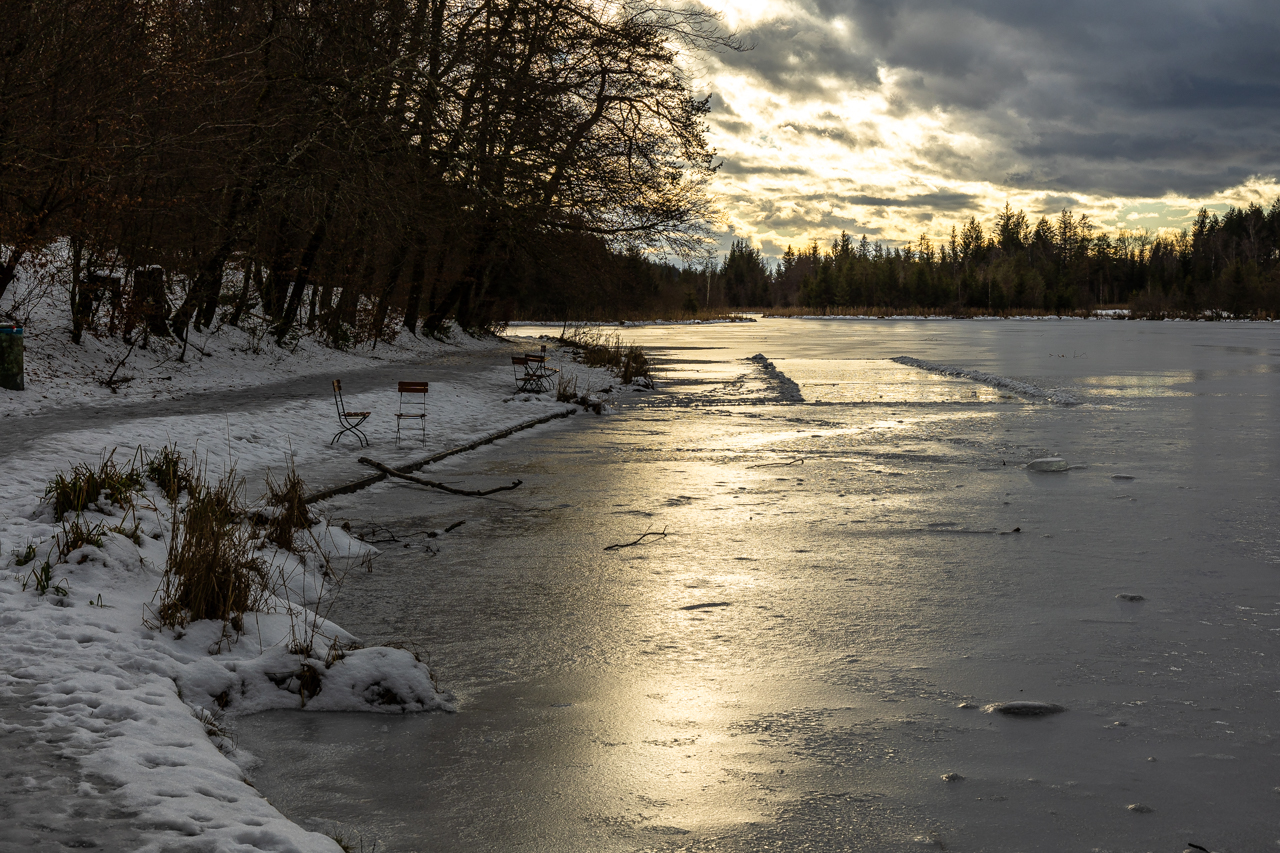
(11, 357)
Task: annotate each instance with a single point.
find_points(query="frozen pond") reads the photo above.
(788, 668)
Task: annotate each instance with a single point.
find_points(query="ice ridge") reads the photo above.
(788, 390)
(1024, 389)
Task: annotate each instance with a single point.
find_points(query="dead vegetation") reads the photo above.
(613, 316)
(596, 348)
(567, 392)
(212, 571)
(887, 311)
(169, 470)
(287, 502)
(85, 486)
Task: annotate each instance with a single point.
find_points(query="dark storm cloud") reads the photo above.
(822, 211)
(1128, 98)
(791, 56)
(929, 201)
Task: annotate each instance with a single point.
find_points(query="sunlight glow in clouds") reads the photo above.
(897, 118)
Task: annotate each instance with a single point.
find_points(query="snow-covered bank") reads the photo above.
(61, 374)
(143, 711)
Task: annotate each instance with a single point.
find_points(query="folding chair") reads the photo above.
(527, 379)
(417, 405)
(350, 421)
(536, 365)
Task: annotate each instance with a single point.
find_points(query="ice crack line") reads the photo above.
(1024, 389)
(788, 390)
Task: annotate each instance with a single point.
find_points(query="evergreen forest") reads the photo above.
(1225, 265)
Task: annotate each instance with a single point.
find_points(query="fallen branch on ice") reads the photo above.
(391, 536)
(643, 537)
(475, 493)
(797, 461)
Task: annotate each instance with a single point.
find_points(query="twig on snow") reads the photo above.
(111, 381)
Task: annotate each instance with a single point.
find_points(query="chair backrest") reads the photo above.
(535, 359)
(337, 395)
(411, 389)
(519, 360)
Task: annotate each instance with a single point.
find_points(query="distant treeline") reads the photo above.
(1228, 264)
(352, 168)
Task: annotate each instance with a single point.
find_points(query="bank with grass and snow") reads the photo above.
(157, 585)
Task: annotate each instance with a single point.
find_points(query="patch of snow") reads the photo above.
(1024, 389)
(788, 390)
(1048, 464)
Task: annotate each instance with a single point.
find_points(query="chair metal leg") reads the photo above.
(360, 436)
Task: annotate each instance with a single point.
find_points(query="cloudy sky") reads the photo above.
(893, 118)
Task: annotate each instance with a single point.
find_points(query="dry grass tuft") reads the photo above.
(566, 388)
(169, 470)
(598, 349)
(212, 570)
(85, 486)
(289, 500)
(76, 534)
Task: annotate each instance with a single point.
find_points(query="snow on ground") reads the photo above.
(140, 711)
(60, 373)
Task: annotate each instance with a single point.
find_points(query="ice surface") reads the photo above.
(596, 712)
(874, 609)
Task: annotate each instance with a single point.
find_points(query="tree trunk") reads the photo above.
(77, 290)
(242, 302)
(9, 270)
(302, 279)
(153, 302)
(417, 278)
(398, 257)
